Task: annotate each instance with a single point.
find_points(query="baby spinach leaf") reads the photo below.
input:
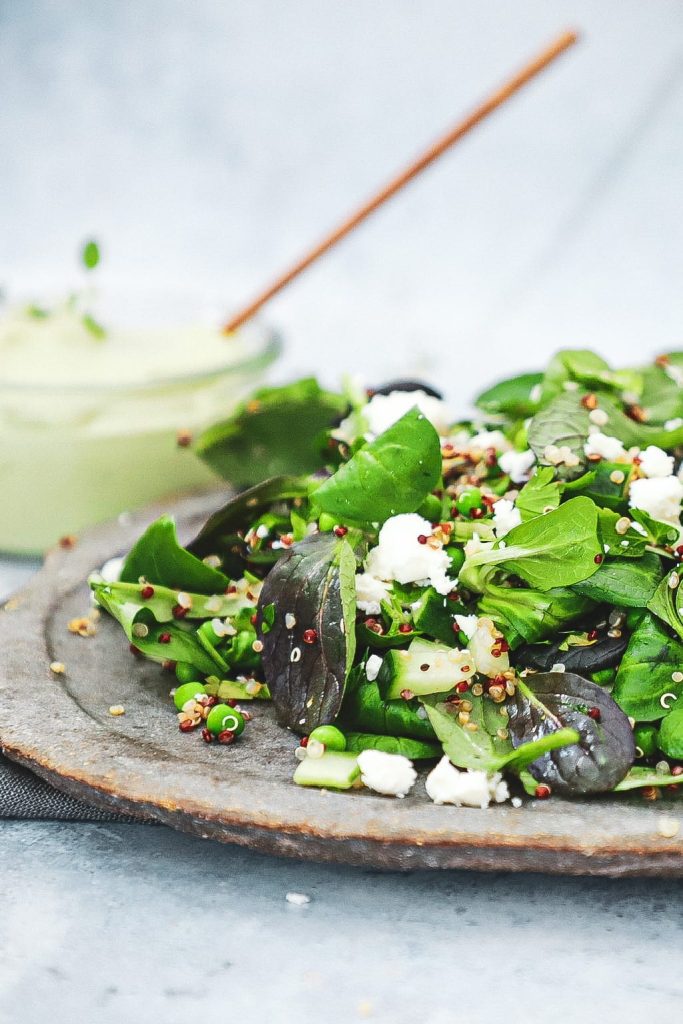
(390, 475)
(605, 750)
(275, 432)
(541, 494)
(645, 674)
(619, 545)
(158, 557)
(563, 423)
(183, 644)
(661, 397)
(482, 749)
(630, 432)
(415, 750)
(531, 615)
(667, 602)
(554, 550)
(602, 488)
(630, 583)
(364, 710)
(671, 733)
(657, 533)
(511, 397)
(306, 671)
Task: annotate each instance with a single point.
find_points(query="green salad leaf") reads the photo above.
(540, 494)
(415, 750)
(276, 432)
(667, 602)
(526, 615)
(512, 397)
(645, 675)
(563, 423)
(629, 583)
(671, 733)
(390, 475)
(159, 558)
(363, 708)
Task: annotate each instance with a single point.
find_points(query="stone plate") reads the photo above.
(139, 763)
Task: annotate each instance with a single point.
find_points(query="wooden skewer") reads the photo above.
(495, 100)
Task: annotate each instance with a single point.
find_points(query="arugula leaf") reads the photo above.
(390, 475)
(511, 397)
(555, 550)
(624, 581)
(311, 582)
(645, 673)
(540, 494)
(275, 432)
(482, 749)
(667, 603)
(158, 557)
(530, 615)
(365, 710)
(605, 750)
(563, 423)
(184, 644)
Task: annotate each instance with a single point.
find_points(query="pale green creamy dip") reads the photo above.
(89, 426)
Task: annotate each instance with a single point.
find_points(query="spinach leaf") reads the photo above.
(630, 583)
(667, 602)
(564, 423)
(511, 397)
(619, 545)
(630, 432)
(183, 645)
(541, 494)
(602, 488)
(306, 663)
(482, 749)
(530, 615)
(415, 750)
(392, 474)
(158, 557)
(218, 534)
(661, 397)
(364, 709)
(588, 369)
(275, 432)
(605, 750)
(657, 533)
(554, 550)
(645, 674)
(671, 733)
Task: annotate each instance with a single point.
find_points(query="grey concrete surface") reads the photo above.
(205, 145)
(134, 924)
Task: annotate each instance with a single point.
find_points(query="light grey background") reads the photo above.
(206, 144)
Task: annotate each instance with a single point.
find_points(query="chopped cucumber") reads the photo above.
(334, 770)
(424, 668)
(415, 750)
(434, 615)
(227, 689)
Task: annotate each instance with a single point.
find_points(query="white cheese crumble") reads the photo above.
(445, 784)
(298, 899)
(467, 624)
(482, 643)
(660, 497)
(388, 774)
(654, 462)
(382, 411)
(400, 556)
(517, 465)
(505, 517)
(111, 570)
(372, 667)
(489, 439)
(605, 446)
(598, 416)
(369, 592)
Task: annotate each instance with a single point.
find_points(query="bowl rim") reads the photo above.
(264, 343)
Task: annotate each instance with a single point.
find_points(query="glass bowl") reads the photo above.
(73, 454)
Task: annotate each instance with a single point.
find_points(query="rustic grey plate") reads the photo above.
(140, 763)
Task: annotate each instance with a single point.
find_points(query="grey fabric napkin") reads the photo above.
(24, 795)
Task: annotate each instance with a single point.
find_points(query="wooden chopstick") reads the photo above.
(432, 153)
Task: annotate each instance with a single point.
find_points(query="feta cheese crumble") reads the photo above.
(660, 497)
(370, 591)
(372, 667)
(489, 439)
(654, 462)
(388, 774)
(445, 784)
(382, 411)
(467, 624)
(400, 556)
(607, 447)
(517, 465)
(505, 517)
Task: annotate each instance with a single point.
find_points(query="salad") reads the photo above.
(494, 599)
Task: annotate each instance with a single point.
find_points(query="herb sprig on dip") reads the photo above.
(499, 594)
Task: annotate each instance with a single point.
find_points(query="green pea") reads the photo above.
(468, 500)
(186, 673)
(222, 717)
(186, 692)
(430, 508)
(330, 736)
(645, 735)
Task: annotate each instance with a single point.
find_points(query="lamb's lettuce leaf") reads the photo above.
(159, 558)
